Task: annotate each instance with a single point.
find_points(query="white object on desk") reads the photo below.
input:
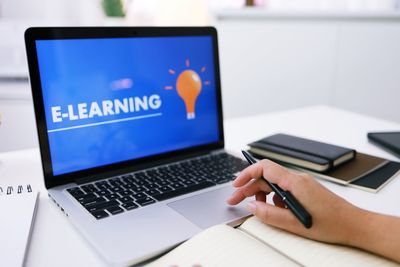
(16, 220)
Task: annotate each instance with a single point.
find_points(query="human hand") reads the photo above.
(333, 217)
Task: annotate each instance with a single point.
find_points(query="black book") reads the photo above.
(305, 153)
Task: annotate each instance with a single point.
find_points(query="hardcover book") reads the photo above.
(301, 152)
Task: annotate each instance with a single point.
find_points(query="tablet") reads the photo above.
(389, 141)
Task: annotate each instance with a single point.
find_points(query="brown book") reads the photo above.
(360, 166)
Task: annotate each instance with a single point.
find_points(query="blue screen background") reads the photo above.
(82, 71)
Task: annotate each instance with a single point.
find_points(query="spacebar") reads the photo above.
(182, 191)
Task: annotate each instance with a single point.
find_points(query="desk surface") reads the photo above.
(56, 242)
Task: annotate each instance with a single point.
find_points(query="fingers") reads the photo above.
(275, 216)
(253, 171)
(250, 189)
(265, 168)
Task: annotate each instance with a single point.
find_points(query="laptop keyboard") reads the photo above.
(127, 192)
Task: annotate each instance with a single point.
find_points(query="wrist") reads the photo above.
(358, 226)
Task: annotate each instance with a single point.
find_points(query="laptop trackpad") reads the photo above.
(210, 208)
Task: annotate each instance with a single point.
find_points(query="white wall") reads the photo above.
(17, 129)
(367, 75)
(274, 66)
(273, 61)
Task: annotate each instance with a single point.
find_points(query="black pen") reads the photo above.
(291, 202)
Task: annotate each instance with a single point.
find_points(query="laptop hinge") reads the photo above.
(139, 167)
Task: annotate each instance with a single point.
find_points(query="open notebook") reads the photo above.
(257, 244)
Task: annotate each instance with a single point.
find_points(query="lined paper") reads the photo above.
(222, 245)
(312, 253)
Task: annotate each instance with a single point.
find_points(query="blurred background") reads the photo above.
(275, 54)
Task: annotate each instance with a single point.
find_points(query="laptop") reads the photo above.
(131, 137)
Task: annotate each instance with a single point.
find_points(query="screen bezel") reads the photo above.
(54, 33)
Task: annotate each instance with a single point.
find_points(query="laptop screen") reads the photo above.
(111, 100)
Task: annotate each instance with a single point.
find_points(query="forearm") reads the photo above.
(376, 233)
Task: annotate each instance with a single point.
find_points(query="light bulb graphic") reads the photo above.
(188, 86)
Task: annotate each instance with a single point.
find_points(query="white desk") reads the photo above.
(55, 242)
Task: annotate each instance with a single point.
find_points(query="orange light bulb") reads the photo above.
(188, 86)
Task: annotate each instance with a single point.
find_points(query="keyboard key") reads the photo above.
(100, 183)
(188, 182)
(165, 188)
(138, 196)
(115, 210)
(152, 192)
(93, 201)
(162, 183)
(175, 180)
(125, 199)
(102, 187)
(199, 179)
(103, 192)
(138, 189)
(100, 214)
(115, 180)
(151, 186)
(125, 193)
(177, 185)
(116, 189)
(88, 188)
(76, 191)
(182, 191)
(129, 186)
(141, 182)
(112, 196)
(85, 197)
(129, 206)
(145, 201)
(102, 205)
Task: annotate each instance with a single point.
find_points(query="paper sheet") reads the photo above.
(312, 253)
(222, 245)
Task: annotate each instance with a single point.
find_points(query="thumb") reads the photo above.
(275, 216)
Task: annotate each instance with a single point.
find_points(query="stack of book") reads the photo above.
(335, 163)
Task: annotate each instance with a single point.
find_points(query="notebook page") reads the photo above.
(17, 215)
(222, 245)
(312, 253)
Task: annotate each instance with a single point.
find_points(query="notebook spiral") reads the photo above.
(19, 189)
